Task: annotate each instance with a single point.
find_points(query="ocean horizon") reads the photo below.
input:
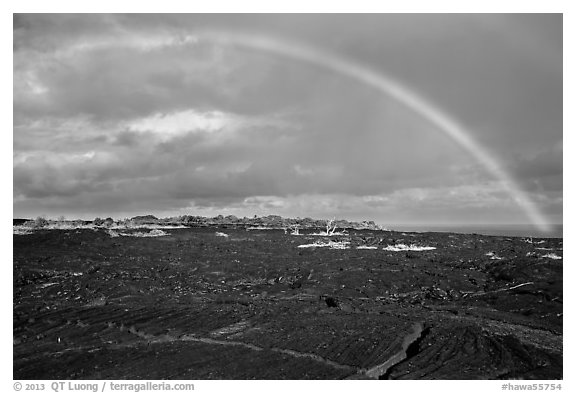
(512, 230)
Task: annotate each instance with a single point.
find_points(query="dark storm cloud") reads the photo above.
(133, 112)
(542, 171)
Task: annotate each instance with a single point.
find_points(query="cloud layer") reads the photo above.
(121, 115)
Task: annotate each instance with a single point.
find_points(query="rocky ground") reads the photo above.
(254, 305)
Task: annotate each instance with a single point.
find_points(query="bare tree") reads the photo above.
(331, 226)
(295, 229)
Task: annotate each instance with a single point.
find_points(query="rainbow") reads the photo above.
(394, 89)
(363, 74)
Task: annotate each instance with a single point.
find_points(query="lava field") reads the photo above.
(222, 303)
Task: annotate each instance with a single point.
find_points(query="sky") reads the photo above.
(255, 114)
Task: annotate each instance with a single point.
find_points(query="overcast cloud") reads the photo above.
(130, 114)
